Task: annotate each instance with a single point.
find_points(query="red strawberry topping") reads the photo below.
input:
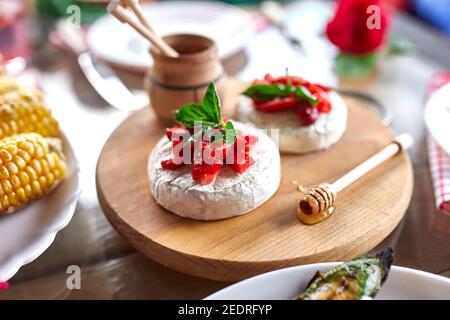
(307, 116)
(169, 164)
(277, 104)
(208, 157)
(307, 110)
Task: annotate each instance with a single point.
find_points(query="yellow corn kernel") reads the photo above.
(13, 199)
(25, 177)
(23, 111)
(7, 85)
(21, 195)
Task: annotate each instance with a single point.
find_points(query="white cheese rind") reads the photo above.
(293, 138)
(230, 195)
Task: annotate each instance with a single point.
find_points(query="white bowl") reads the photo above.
(402, 283)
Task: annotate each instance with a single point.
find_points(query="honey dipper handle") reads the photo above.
(401, 142)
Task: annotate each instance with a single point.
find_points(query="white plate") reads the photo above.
(437, 117)
(402, 283)
(119, 44)
(27, 233)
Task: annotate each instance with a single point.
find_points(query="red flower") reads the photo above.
(4, 285)
(359, 26)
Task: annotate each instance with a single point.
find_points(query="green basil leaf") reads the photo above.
(191, 113)
(211, 104)
(267, 92)
(304, 93)
(263, 92)
(229, 133)
(209, 114)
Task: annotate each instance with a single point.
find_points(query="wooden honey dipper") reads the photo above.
(318, 204)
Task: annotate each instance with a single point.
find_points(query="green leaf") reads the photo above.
(211, 104)
(209, 114)
(354, 66)
(229, 133)
(191, 113)
(304, 93)
(263, 92)
(267, 92)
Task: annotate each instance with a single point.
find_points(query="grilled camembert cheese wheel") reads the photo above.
(293, 138)
(309, 116)
(231, 194)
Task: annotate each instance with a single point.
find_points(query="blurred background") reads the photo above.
(16, 39)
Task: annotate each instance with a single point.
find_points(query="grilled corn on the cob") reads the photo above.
(30, 167)
(7, 85)
(23, 111)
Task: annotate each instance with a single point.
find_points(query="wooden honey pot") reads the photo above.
(174, 81)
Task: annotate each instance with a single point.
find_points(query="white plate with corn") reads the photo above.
(39, 178)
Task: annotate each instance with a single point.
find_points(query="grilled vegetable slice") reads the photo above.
(352, 280)
(23, 111)
(30, 167)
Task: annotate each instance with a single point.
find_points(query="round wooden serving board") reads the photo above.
(270, 237)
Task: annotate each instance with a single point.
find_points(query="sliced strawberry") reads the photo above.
(244, 141)
(169, 164)
(176, 141)
(324, 88)
(211, 135)
(242, 147)
(307, 116)
(268, 77)
(224, 149)
(292, 80)
(242, 167)
(197, 149)
(250, 142)
(324, 105)
(277, 104)
(295, 81)
(315, 90)
(209, 157)
(267, 80)
(205, 173)
(177, 131)
(214, 153)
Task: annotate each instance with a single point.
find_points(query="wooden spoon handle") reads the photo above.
(137, 9)
(401, 142)
(122, 15)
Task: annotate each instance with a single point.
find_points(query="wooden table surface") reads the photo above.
(111, 269)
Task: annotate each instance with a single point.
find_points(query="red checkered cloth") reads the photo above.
(439, 160)
(440, 172)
